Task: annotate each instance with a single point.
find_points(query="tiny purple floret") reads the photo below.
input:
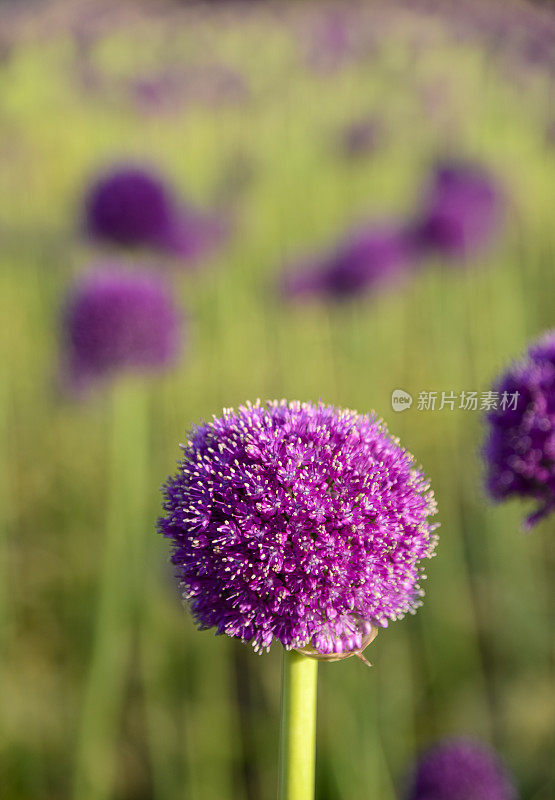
(116, 319)
(297, 522)
(461, 769)
(520, 446)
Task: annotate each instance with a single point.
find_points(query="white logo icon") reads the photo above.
(400, 400)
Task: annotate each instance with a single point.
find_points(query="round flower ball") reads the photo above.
(301, 523)
(367, 260)
(520, 447)
(461, 769)
(461, 211)
(134, 207)
(119, 320)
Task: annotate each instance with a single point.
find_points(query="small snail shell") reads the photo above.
(343, 649)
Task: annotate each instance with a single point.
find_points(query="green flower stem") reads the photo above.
(5, 616)
(118, 592)
(298, 727)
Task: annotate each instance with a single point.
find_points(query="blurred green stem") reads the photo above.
(118, 593)
(5, 619)
(298, 727)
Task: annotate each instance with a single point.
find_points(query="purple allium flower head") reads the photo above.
(520, 447)
(461, 213)
(297, 522)
(543, 351)
(116, 319)
(367, 260)
(461, 769)
(131, 206)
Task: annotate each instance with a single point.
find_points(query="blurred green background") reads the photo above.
(106, 689)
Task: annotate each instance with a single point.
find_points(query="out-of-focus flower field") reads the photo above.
(294, 123)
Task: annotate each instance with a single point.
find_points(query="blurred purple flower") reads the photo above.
(212, 84)
(330, 41)
(361, 137)
(367, 260)
(131, 206)
(156, 93)
(461, 769)
(217, 84)
(520, 447)
(298, 522)
(461, 211)
(118, 320)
